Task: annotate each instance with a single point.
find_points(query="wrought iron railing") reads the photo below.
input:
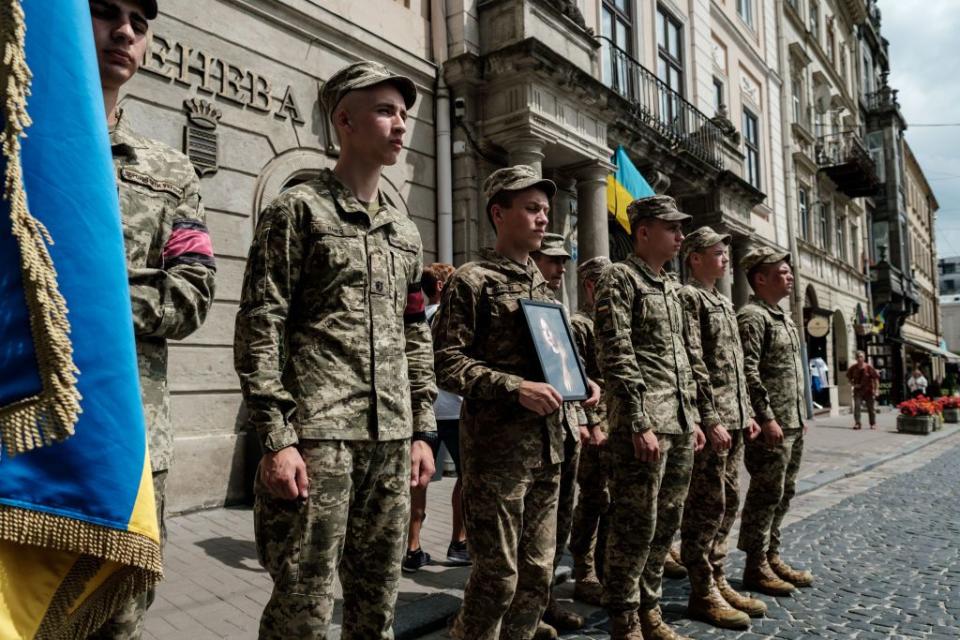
(659, 107)
(885, 98)
(841, 148)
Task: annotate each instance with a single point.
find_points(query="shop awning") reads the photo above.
(932, 349)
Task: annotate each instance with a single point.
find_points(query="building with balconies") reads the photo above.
(829, 172)
(689, 90)
(894, 291)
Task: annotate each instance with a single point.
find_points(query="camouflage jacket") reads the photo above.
(483, 352)
(583, 336)
(170, 265)
(331, 338)
(771, 360)
(716, 357)
(642, 350)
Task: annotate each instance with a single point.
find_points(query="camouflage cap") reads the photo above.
(149, 8)
(662, 207)
(592, 268)
(701, 239)
(763, 255)
(361, 75)
(553, 245)
(516, 178)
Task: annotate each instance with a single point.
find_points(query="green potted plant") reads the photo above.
(950, 408)
(918, 415)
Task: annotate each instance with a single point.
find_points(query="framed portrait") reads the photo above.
(553, 342)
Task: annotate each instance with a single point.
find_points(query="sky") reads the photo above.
(924, 66)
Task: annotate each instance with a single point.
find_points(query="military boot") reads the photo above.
(788, 573)
(589, 591)
(625, 626)
(654, 628)
(706, 603)
(560, 618)
(672, 567)
(753, 607)
(758, 576)
(587, 588)
(545, 632)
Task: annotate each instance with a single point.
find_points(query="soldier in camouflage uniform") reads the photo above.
(651, 404)
(590, 515)
(551, 260)
(170, 261)
(335, 363)
(774, 371)
(513, 432)
(726, 418)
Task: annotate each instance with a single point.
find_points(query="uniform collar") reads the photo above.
(507, 265)
(348, 202)
(711, 292)
(647, 270)
(774, 309)
(123, 141)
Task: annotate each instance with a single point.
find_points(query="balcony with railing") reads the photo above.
(883, 100)
(843, 158)
(659, 107)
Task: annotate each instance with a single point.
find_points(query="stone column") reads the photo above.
(593, 238)
(526, 150)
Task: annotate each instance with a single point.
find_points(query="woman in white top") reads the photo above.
(916, 383)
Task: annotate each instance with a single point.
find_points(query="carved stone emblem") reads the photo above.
(200, 135)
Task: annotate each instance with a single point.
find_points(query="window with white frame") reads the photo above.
(803, 204)
(751, 142)
(745, 11)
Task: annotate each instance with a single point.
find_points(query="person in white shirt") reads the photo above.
(917, 383)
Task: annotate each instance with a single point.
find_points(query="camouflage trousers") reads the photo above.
(586, 538)
(354, 522)
(127, 622)
(511, 515)
(566, 496)
(773, 483)
(711, 507)
(645, 514)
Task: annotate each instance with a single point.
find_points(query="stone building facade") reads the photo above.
(702, 94)
(922, 331)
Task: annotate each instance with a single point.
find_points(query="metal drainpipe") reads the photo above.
(438, 26)
(790, 175)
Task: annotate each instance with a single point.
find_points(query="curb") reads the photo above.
(821, 480)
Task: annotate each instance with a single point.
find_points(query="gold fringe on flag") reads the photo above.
(51, 415)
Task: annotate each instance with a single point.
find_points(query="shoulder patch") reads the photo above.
(150, 182)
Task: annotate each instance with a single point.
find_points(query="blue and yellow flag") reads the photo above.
(625, 186)
(78, 527)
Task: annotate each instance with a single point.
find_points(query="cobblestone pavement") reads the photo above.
(215, 588)
(886, 561)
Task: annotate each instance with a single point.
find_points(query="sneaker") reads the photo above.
(457, 554)
(414, 560)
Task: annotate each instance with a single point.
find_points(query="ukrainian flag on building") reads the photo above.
(625, 186)
(78, 529)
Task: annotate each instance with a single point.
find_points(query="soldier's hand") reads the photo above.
(699, 440)
(753, 429)
(539, 397)
(584, 435)
(285, 474)
(594, 398)
(646, 447)
(719, 437)
(772, 433)
(597, 437)
(422, 466)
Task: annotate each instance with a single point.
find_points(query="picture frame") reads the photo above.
(553, 341)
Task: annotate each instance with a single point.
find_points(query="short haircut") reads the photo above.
(761, 267)
(433, 275)
(503, 199)
(860, 353)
